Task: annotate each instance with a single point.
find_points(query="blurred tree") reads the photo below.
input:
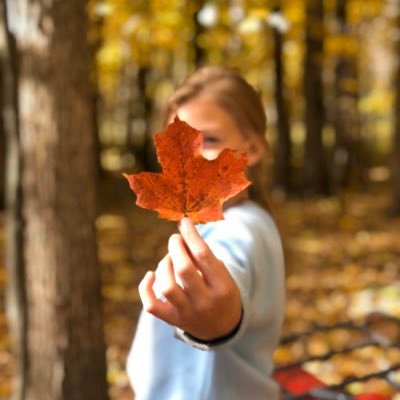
(283, 148)
(315, 172)
(346, 117)
(15, 289)
(199, 52)
(137, 71)
(149, 158)
(153, 44)
(96, 41)
(64, 337)
(396, 133)
(2, 154)
(140, 107)
(4, 64)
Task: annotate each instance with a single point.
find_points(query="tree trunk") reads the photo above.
(283, 144)
(148, 153)
(396, 136)
(346, 118)
(65, 342)
(2, 154)
(315, 173)
(15, 289)
(4, 68)
(199, 52)
(96, 45)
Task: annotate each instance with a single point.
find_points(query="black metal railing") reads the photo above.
(369, 335)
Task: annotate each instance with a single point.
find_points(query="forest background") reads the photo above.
(82, 91)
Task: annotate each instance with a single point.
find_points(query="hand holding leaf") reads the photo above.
(199, 294)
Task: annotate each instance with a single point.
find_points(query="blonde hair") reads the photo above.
(232, 92)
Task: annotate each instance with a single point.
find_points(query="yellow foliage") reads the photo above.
(377, 102)
(110, 55)
(349, 85)
(163, 37)
(361, 10)
(160, 34)
(216, 38)
(342, 45)
(160, 6)
(261, 13)
(294, 11)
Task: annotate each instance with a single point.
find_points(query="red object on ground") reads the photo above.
(298, 381)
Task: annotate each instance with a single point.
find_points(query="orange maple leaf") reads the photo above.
(190, 185)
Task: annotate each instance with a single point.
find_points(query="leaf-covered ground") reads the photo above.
(343, 262)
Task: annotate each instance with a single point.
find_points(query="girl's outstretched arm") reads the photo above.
(199, 295)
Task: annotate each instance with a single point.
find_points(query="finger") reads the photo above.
(167, 285)
(186, 273)
(202, 255)
(152, 304)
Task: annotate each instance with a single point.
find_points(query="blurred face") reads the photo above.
(220, 130)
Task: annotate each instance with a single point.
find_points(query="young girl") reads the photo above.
(213, 309)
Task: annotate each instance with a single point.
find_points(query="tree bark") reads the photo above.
(65, 342)
(15, 289)
(346, 118)
(2, 154)
(149, 158)
(3, 70)
(283, 150)
(396, 136)
(95, 46)
(199, 52)
(315, 173)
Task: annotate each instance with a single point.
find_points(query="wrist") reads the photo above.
(220, 339)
